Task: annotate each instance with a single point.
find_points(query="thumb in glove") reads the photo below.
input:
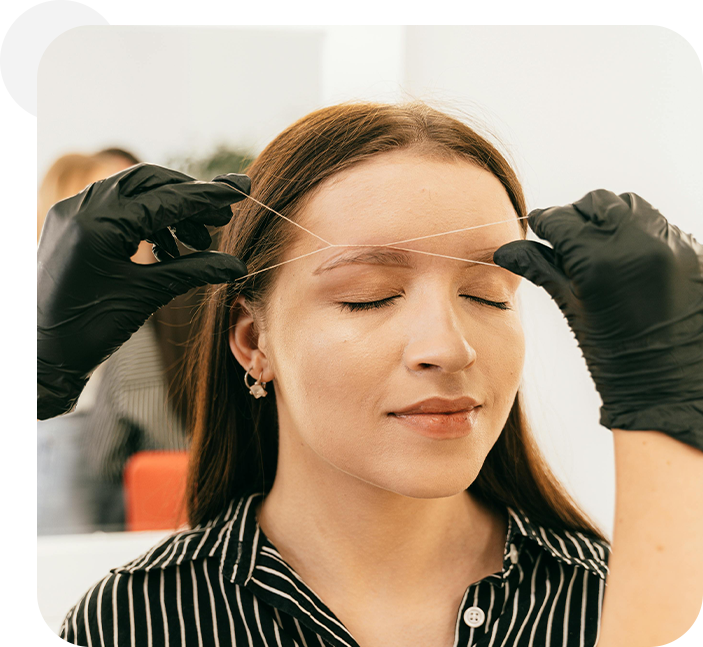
(538, 264)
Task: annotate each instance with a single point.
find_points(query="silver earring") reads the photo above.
(257, 389)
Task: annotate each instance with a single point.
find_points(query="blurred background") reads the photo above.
(573, 108)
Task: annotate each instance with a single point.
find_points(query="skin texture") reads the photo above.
(373, 516)
(655, 583)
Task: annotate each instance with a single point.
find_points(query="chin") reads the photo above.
(424, 485)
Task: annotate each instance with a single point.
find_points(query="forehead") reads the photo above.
(402, 195)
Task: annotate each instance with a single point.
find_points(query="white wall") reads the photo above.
(163, 91)
(68, 565)
(577, 108)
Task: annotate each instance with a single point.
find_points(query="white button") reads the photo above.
(513, 554)
(474, 616)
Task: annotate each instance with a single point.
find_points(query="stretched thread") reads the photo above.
(390, 245)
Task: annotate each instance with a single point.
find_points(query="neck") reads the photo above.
(342, 534)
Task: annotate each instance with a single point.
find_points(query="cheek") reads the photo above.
(329, 384)
(501, 356)
(326, 364)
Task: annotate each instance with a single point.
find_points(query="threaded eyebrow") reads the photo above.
(394, 257)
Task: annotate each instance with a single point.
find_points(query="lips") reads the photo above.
(439, 406)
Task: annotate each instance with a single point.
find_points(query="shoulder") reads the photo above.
(152, 596)
(144, 602)
(93, 615)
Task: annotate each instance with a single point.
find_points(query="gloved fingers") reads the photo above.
(215, 218)
(603, 208)
(239, 181)
(647, 217)
(220, 217)
(537, 263)
(159, 253)
(169, 204)
(146, 177)
(632, 200)
(164, 243)
(164, 281)
(558, 225)
(192, 235)
(684, 245)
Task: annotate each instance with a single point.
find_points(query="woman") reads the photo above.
(336, 501)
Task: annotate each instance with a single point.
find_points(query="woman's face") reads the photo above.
(441, 327)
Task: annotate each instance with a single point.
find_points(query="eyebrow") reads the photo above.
(387, 256)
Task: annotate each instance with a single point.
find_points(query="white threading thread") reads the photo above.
(390, 245)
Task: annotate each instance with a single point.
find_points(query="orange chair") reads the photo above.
(154, 485)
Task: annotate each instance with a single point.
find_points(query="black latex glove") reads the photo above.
(90, 297)
(630, 284)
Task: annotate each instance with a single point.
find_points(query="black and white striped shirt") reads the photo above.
(225, 584)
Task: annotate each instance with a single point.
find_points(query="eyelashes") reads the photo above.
(382, 303)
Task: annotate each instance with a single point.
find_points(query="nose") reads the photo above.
(438, 337)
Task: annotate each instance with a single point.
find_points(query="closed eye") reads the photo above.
(370, 305)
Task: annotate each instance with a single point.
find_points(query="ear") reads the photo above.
(245, 341)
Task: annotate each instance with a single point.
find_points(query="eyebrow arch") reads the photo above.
(391, 256)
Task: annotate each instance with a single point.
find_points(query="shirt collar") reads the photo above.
(236, 539)
(568, 546)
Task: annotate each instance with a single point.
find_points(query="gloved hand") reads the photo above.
(90, 297)
(630, 284)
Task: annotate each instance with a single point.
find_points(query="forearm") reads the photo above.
(655, 584)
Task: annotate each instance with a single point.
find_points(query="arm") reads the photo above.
(655, 585)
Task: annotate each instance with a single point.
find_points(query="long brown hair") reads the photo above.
(235, 436)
